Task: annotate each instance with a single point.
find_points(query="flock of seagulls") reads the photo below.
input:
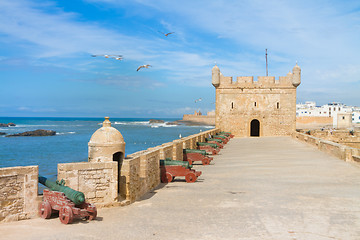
(120, 57)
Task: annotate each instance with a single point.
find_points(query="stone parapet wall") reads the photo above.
(140, 171)
(166, 151)
(314, 120)
(338, 150)
(18, 193)
(344, 137)
(130, 181)
(177, 150)
(150, 169)
(97, 180)
(186, 143)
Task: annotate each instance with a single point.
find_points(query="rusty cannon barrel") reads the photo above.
(202, 152)
(169, 162)
(75, 196)
(213, 145)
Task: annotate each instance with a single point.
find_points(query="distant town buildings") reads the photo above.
(309, 109)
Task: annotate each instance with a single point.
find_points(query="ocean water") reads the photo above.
(73, 135)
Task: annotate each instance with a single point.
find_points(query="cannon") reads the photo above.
(68, 202)
(213, 145)
(170, 169)
(227, 134)
(222, 137)
(214, 139)
(192, 155)
(210, 148)
(218, 142)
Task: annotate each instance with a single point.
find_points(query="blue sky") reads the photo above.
(46, 68)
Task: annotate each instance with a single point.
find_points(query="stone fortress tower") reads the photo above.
(266, 107)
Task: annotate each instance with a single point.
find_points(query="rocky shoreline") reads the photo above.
(36, 133)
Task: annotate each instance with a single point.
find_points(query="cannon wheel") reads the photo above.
(45, 210)
(92, 215)
(205, 162)
(167, 177)
(190, 177)
(66, 215)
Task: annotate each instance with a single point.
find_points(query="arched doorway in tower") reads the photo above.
(255, 128)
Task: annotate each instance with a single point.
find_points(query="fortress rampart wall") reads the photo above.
(103, 183)
(338, 150)
(18, 193)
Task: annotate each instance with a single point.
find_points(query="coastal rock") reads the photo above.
(2, 133)
(36, 133)
(7, 124)
(151, 121)
(173, 123)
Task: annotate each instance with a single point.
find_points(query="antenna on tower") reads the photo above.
(266, 62)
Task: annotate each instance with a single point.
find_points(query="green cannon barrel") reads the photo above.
(75, 196)
(226, 133)
(220, 136)
(203, 152)
(169, 162)
(214, 139)
(213, 145)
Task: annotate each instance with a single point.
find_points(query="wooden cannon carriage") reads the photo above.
(67, 202)
(196, 155)
(170, 169)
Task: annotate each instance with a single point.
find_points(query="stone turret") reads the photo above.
(215, 76)
(106, 144)
(296, 76)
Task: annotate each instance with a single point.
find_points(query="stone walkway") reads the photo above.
(257, 188)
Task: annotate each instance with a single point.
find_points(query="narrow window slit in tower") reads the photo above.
(255, 104)
(277, 105)
(232, 105)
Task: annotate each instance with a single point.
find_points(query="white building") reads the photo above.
(309, 109)
(356, 116)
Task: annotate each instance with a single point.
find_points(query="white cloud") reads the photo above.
(60, 34)
(322, 35)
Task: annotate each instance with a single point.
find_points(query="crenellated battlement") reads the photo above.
(291, 80)
(260, 82)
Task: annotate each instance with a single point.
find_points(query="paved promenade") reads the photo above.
(257, 188)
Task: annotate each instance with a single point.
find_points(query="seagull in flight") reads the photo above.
(198, 100)
(116, 57)
(166, 34)
(143, 66)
